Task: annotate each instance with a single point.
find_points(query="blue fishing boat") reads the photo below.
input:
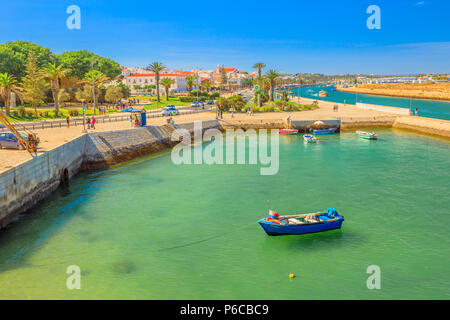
(309, 138)
(325, 131)
(276, 225)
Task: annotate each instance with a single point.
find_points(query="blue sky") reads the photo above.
(325, 36)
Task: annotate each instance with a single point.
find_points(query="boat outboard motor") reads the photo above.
(332, 213)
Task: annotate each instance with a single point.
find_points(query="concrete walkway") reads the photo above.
(51, 138)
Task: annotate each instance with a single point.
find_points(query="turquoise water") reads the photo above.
(153, 230)
(427, 108)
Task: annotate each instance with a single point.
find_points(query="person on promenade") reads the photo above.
(417, 112)
(88, 122)
(68, 122)
(221, 115)
(93, 123)
(232, 114)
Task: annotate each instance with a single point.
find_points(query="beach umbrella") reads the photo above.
(131, 110)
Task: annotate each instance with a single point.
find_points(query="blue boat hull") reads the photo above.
(276, 229)
(325, 131)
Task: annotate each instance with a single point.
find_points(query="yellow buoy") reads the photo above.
(292, 276)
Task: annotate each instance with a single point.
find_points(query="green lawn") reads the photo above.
(49, 113)
(175, 101)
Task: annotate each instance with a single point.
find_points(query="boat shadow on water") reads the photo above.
(319, 241)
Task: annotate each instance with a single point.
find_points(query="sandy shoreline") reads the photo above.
(398, 93)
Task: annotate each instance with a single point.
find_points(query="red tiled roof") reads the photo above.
(136, 75)
(229, 69)
(184, 72)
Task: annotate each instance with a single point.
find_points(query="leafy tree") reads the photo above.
(149, 87)
(247, 82)
(272, 76)
(64, 95)
(84, 95)
(125, 90)
(14, 57)
(166, 83)
(8, 85)
(79, 63)
(34, 83)
(223, 77)
(114, 94)
(55, 74)
(156, 67)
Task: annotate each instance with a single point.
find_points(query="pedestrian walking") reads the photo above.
(93, 123)
(68, 122)
(88, 122)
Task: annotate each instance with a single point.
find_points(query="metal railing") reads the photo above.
(49, 124)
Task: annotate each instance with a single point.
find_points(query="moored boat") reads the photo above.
(325, 131)
(287, 131)
(323, 93)
(309, 138)
(301, 224)
(367, 135)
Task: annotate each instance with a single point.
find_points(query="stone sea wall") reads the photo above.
(25, 185)
(436, 127)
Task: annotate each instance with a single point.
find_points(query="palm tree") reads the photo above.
(264, 84)
(207, 85)
(94, 79)
(8, 85)
(190, 81)
(272, 76)
(259, 66)
(156, 67)
(55, 74)
(166, 83)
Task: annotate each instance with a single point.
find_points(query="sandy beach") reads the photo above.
(435, 91)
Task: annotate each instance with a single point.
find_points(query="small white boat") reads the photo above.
(367, 135)
(309, 138)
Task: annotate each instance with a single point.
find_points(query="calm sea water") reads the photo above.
(150, 229)
(427, 108)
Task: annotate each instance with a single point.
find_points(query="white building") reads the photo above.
(145, 79)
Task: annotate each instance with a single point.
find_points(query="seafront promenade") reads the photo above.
(349, 115)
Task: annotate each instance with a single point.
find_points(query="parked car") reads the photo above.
(210, 102)
(9, 140)
(195, 105)
(169, 110)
